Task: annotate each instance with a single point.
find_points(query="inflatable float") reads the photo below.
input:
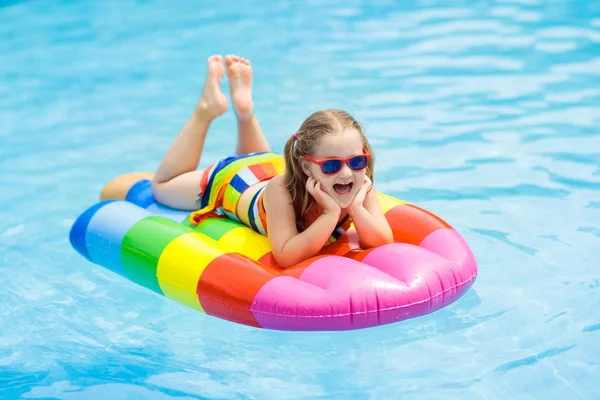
(226, 270)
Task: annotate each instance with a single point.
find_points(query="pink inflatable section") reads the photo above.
(375, 287)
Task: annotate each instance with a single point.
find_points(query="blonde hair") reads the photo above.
(305, 141)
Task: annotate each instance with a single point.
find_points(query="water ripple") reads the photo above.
(591, 67)
(579, 158)
(569, 182)
(503, 237)
(475, 193)
(532, 360)
(552, 318)
(592, 328)
(594, 230)
(594, 204)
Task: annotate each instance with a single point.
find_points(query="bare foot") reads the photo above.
(239, 73)
(212, 100)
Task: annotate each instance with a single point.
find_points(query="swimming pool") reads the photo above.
(485, 113)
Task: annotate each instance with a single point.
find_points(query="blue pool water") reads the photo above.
(486, 113)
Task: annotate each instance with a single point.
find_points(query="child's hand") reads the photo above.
(359, 199)
(327, 203)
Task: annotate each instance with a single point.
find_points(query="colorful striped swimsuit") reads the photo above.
(223, 183)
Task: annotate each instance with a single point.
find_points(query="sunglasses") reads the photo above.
(334, 165)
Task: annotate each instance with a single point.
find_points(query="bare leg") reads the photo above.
(176, 181)
(250, 136)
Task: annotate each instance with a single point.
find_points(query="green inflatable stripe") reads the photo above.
(143, 245)
(186, 222)
(215, 228)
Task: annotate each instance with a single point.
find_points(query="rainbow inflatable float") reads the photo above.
(225, 269)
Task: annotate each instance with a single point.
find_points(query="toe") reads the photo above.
(215, 57)
(235, 70)
(230, 59)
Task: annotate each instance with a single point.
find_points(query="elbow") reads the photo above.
(389, 237)
(377, 241)
(294, 252)
(282, 259)
(284, 265)
(386, 235)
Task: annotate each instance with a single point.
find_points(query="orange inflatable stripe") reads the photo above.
(228, 285)
(299, 268)
(269, 262)
(411, 224)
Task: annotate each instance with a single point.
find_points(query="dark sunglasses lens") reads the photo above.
(331, 166)
(359, 162)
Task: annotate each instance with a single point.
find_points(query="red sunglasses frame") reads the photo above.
(345, 160)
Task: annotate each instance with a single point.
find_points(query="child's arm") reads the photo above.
(371, 225)
(290, 247)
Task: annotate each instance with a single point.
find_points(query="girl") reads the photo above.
(311, 195)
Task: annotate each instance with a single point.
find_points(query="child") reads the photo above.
(310, 200)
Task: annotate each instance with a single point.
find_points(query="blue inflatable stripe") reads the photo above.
(79, 228)
(106, 231)
(140, 194)
(170, 213)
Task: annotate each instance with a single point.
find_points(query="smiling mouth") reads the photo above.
(343, 188)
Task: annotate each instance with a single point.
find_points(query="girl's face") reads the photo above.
(343, 185)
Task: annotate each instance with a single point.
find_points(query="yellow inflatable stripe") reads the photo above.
(388, 202)
(181, 264)
(245, 241)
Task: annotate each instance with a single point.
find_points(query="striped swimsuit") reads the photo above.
(223, 183)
